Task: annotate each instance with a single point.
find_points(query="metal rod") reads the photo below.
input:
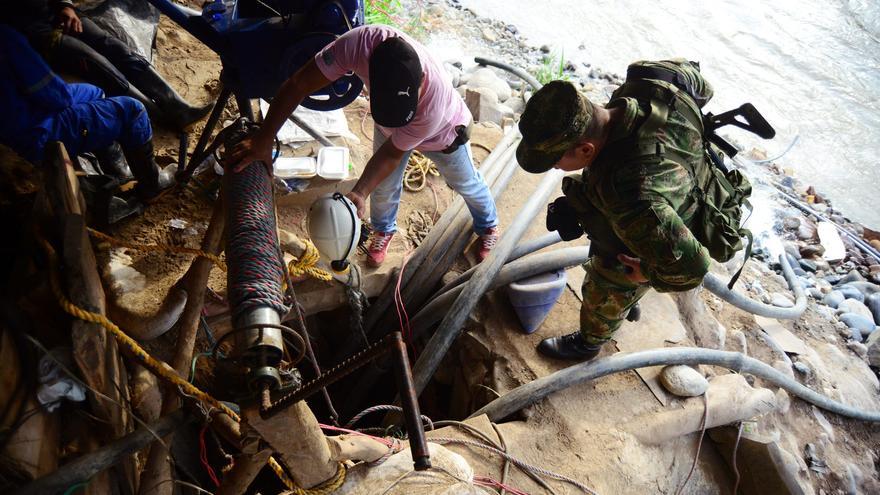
(411, 414)
(311, 131)
(181, 151)
(198, 155)
(245, 109)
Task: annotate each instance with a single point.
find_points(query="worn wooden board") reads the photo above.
(659, 326)
(789, 342)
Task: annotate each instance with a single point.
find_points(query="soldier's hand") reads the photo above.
(247, 151)
(634, 268)
(68, 21)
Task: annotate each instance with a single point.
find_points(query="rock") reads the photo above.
(808, 265)
(812, 250)
(797, 270)
(736, 342)
(846, 333)
(815, 293)
(875, 244)
(487, 78)
(516, 105)
(822, 265)
(545, 48)
(781, 300)
(791, 223)
(850, 292)
(873, 346)
(833, 279)
(683, 381)
(852, 276)
(833, 299)
(783, 367)
(858, 348)
(823, 285)
(792, 260)
(806, 232)
(489, 36)
(803, 368)
(855, 306)
(873, 304)
(484, 106)
(858, 323)
(874, 269)
(792, 249)
(819, 207)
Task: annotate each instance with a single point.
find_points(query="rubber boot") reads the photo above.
(571, 347)
(104, 207)
(112, 162)
(153, 182)
(156, 114)
(177, 112)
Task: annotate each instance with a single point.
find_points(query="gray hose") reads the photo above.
(523, 249)
(532, 392)
(513, 70)
(451, 326)
(719, 288)
(511, 272)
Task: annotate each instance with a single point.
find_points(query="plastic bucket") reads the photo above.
(532, 298)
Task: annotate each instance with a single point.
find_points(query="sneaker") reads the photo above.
(379, 242)
(487, 242)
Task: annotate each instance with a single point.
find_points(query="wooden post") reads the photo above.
(195, 282)
(96, 354)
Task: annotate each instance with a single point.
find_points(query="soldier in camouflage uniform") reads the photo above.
(641, 155)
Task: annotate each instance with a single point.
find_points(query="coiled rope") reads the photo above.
(307, 264)
(417, 169)
(167, 373)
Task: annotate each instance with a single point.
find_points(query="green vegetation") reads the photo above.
(552, 68)
(390, 12)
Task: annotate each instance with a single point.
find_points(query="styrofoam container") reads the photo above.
(295, 167)
(333, 162)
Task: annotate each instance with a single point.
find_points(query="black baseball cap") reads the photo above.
(395, 77)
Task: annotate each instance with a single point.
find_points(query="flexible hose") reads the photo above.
(719, 288)
(525, 76)
(521, 250)
(511, 272)
(532, 392)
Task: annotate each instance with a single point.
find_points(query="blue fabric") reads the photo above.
(457, 168)
(44, 108)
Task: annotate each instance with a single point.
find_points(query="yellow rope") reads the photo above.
(305, 265)
(167, 373)
(158, 248)
(417, 169)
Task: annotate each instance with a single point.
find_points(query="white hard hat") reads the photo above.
(335, 229)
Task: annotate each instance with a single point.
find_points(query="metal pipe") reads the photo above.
(718, 287)
(451, 325)
(525, 76)
(432, 312)
(199, 155)
(411, 414)
(311, 131)
(532, 392)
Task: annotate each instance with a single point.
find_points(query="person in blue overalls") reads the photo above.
(38, 107)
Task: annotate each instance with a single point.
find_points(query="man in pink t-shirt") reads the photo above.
(414, 106)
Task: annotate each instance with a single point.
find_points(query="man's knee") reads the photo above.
(136, 128)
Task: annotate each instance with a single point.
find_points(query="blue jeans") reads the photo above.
(457, 168)
(93, 123)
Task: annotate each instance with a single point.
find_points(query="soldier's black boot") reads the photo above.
(176, 111)
(152, 182)
(570, 347)
(104, 207)
(112, 162)
(635, 312)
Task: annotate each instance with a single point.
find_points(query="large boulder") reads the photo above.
(859, 323)
(855, 306)
(487, 78)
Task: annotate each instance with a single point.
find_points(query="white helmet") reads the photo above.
(335, 229)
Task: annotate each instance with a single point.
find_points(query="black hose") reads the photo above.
(525, 76)
(532, 392)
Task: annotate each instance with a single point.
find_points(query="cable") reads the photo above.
(307, 264)
(157, 248)
(203, 456)
(733, 461)
(699, 443)
(777, 157)
(384, 407)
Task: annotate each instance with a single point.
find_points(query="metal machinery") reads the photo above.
(261, 43)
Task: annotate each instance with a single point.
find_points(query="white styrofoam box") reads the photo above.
(333, 162)
(296, 167)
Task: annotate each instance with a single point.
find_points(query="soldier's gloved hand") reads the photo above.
(562, 217)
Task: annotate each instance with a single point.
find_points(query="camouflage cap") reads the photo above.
(554, 120)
